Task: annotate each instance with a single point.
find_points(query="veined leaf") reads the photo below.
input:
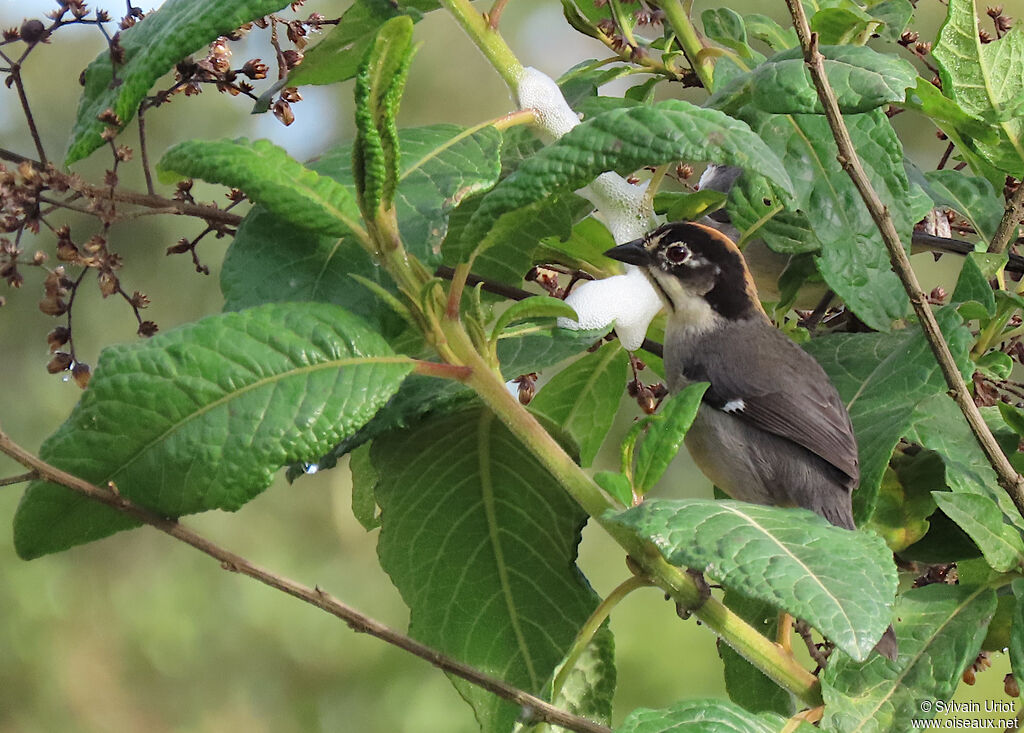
(201, 417)
(539, 306)
(664, 437)
(151, 48)
(338, 55)
(783, 556)
(620, 140)
(972, 196)
(940, 628)
(271, 260)
(584, 397)
(986, 80)
(481, 542)
(702, 716)
(861, 77)
(271, 178)
(979, 517)
(882, 378)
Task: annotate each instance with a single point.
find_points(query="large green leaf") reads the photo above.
(862, 79)
(151, 48)
(481, 542)
(940, 628)
(590, 686)
(269, 177)
(273, 260)
(986, 80)
(980, 518)
(702, 716)
(202, 416)
(620, 140)
(783, 556)
(853, 258)
(530, 347)
(882, 378)
(338, 55)
(584, 397)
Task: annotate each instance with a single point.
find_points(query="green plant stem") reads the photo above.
(586, 634)
(737, 633)
(992, 333)
(679, 18)
(488, 40)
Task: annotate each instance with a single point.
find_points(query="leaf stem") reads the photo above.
(679, 18)
(314, 596)
(1009, 479)
(488, 40)
(586, 633)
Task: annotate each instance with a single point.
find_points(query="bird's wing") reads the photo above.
(791, 397)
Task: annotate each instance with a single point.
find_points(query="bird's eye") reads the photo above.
(677, 254)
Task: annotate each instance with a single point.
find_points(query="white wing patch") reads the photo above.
(733, 406)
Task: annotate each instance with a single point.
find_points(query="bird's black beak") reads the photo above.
(632, 253)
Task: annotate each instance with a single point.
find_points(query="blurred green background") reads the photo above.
(141, 633)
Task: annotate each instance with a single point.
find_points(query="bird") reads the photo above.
(771, 428)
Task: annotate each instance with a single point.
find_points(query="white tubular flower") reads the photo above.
(627, 301)
(539, 91)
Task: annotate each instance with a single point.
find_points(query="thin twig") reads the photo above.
(27, 110)
(1008, 478)
(539, 710)
(19, 479)
(1012, 216)
(143, 152)
(200, 211)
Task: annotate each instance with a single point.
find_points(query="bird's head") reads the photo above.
(694, 268)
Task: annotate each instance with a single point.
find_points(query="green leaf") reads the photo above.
(725, 26)
(972, 285)
(379, 86)
(515, 240)
(905, 502)
(896, 15)
(979, 517)
(584, 397)
(481, 542)
(882, 378)
(783, 556)
(270, 177)
(338, 54)
(995, 365)
(664, 436)
(539, 306)
(364, 486)
(971, 196)
(940, 628)
(862, 79)
(768, 31)
(531, 347)
(986, 80)
(620, 140)
(840, 25)
(939, 425)
(271, 260)
(584, 248)
(617, 485)
(688, 206)
(699, 716)
(1017, 632)
(201, 417)
(151, 48)
(748, 686)
(853, 259)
